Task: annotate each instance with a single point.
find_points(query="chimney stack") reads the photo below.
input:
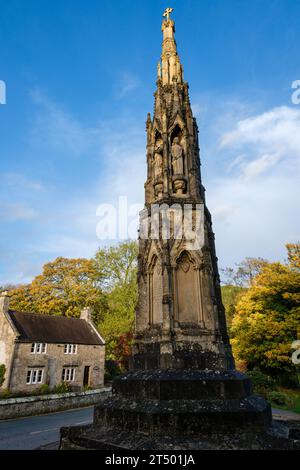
(86, 314)
(4, 302)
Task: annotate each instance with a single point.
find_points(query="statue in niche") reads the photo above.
(177, 157)
(158, 159)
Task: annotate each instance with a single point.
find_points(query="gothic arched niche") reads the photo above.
(155, 292)
(176, 132)
(178, 160)
(187, 290)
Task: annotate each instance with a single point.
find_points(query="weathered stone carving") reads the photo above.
(177, 157)
(158, 160)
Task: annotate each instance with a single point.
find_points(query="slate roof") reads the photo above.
(33, 327)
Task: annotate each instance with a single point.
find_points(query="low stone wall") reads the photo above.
(30, 406)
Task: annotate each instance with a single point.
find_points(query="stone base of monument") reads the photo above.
(180, 410)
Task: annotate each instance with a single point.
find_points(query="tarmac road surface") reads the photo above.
(35, 431)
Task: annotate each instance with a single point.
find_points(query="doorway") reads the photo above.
(86, 376)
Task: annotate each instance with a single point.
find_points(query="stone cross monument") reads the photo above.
(180, 319)
(182, 390)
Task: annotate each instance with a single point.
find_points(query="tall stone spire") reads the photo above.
(180, 307)
(170, 68)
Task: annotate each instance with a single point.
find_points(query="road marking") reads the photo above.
(57, 429)
(44, 430)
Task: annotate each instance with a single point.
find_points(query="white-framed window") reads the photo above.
(68, 374)
(38, 348)
(34, 376)
(70, 348)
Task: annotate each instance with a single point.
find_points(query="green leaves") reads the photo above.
(267, 318)
(2, 374)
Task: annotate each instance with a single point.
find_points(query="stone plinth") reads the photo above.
(184, 403)
(181, 410)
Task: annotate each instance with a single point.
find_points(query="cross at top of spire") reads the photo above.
(167, 13)
(169, 69)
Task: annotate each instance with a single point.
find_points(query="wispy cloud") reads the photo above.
(10, 212)
(126, 83)
(276, 130)
(18, 181)
(261, 184)
(56, 128)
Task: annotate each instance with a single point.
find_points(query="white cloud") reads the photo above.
(262, 187)
(56, 245)
(275, 131)
(58, 129)
(18, 181)
(127, 82)
(10, 212)
(260, 165)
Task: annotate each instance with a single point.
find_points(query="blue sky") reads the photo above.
(80, 78)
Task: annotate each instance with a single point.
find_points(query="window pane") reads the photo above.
(44, 348)
(33, 347)
(63, 375)
(40, 376)
(34, 376)
(28, 381)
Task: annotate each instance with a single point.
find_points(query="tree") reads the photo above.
(2, 374)
(65, 287)
(267, 320)
(117, 265)
(8, 287)
(244, 273)
(118, 268)
(293, 250)
(230, 297)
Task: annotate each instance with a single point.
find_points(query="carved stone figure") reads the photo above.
(158, 160)
(177, 157)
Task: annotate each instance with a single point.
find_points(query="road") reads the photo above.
(35, 431)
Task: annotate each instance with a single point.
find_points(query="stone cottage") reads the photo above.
(43, 349)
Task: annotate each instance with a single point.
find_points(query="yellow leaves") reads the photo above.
(267, 317)
(64, 288)
(293, 250)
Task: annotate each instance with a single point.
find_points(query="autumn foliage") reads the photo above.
(267, 319)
